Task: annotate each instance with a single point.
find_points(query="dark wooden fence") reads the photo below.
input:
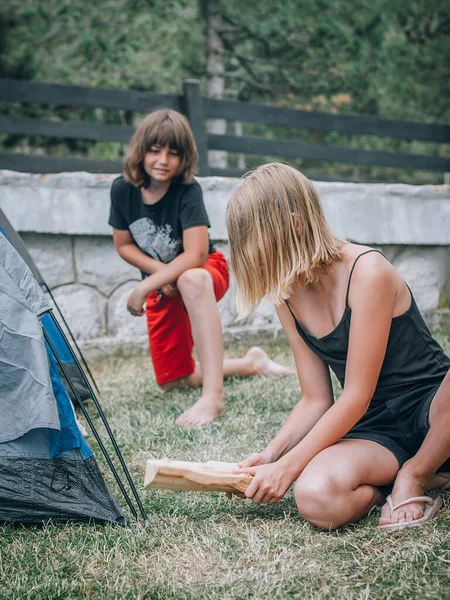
(198, 109)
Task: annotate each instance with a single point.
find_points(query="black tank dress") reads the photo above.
(412, 371)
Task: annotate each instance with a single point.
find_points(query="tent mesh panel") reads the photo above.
(34, 490)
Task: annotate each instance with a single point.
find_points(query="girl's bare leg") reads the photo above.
(339, 485)
(420, 472)
(196, 288)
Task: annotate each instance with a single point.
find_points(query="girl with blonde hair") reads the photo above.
(160, 226)
(343, 307)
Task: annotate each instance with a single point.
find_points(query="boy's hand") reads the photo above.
(170, 290)
(136, 300)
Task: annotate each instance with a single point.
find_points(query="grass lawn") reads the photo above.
(203, 546)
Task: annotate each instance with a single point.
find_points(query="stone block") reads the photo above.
(264, 314)
(227, 305)
(378, 213)
(53, 257)
(217, 192)
(69, 203)
(120, 323)
(99, 265)
(83, 308)
(421, 276)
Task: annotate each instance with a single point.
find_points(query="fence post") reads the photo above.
(193, 109)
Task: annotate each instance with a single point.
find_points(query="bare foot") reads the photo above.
(205, 410)
(264, 365)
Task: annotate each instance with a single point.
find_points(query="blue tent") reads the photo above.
(47, 470)
(67, 358)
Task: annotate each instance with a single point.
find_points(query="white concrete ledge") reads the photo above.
(78, 204)
(63, 220)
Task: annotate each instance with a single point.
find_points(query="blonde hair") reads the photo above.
(163, 127)
(278, 235)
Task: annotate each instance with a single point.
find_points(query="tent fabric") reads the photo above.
(21, 275)
(11, 234)
(27, 400)
(15, 240)
(69, 363)
(36, 490)
(70, 436)
(47, 470)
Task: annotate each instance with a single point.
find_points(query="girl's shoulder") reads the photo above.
(367, 268)
(353, 254)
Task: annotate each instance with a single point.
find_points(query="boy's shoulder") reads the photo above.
(193, 187)
(120, 184)
(194, 184)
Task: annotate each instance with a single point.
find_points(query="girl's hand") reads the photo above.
(256, 458)
(270, 482)
(136, 300)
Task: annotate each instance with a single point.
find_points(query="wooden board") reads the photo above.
(179, 475)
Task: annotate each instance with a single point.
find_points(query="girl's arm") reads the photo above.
(317, 393)
(196, 244)
(372, 299)
(131, 253)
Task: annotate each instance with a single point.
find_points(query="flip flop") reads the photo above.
(432, 505)
(446, 485)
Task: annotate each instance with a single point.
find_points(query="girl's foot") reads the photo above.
(263, 365)
(205, 410)
(405, 486)
(408, 485)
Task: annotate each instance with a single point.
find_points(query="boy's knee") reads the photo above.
(194, 282)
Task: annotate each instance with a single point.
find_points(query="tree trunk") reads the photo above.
(215, 69)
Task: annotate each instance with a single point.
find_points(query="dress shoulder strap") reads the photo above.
(352, 269)
(290, 310)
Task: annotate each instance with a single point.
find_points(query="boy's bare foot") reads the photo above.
(205, 410)
(264, 365)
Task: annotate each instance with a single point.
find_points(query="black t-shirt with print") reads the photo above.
(157, 229)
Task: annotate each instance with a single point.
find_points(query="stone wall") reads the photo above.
(63, 221)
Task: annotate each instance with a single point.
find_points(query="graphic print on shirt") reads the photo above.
(155, 240)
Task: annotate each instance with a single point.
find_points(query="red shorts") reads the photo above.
(169, 328)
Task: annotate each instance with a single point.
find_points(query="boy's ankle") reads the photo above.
(216, 397)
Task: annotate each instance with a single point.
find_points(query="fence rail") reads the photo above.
(198, 110)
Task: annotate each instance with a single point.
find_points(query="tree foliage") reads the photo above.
(386, 57)
(140, 44)
(382, 57)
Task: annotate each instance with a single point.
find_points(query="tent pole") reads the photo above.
(94, 429)
(47, 289)
(105, 423)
